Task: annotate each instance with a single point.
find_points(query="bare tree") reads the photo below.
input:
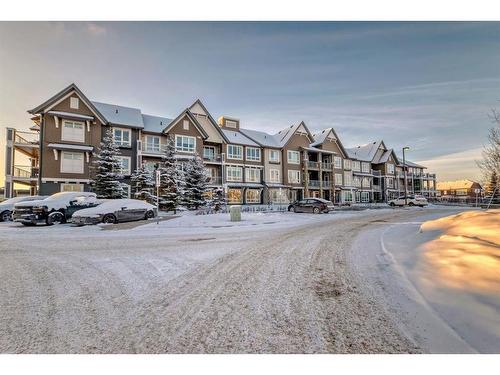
(490, 164)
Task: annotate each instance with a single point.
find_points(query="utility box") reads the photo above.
(235, 213)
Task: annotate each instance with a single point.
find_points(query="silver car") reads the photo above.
(115, 211)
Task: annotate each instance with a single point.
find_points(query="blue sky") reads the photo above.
(426, 85)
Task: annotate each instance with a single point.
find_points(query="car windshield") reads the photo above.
(14, 200)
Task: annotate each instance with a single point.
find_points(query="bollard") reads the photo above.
(235, 213)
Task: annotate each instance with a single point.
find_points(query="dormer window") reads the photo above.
(231, 124)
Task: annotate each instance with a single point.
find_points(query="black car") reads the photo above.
(313, 205)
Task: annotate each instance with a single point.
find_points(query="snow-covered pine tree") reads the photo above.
(143, 184)
(217, 202)
(171, 178)
(196, 184)
(107, 166)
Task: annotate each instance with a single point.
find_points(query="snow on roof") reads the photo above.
(262, 138)
(319, 138)
(119, 115)
(410, 163)
(384, 158)
(112, 205)
(365, 152)
(155, 124)
(238, 138)
(283, 136)
(453, 185)
(69, 114)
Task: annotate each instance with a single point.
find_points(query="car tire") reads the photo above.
(109, 219)
(295, 210)
(411, 204)
(290, 208)
(6, 216)
(316, 210)
(392, 204)
(149, 215)
(55, 218)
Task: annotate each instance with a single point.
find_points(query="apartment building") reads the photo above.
(459, 190)
(253, 167)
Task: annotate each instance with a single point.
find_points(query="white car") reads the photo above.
(413, 200)
(6, 207)
(114, 211)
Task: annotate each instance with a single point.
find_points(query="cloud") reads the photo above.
(96, 29)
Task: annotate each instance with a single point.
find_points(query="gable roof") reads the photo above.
(365, 152)
(262, 138)
(236, 137)
(384, 157)
(284, 136)
(453, 185)
(119, 115)
(320, 138)
(192, 118)
(210, 118)
(155, 124)
(64, 93)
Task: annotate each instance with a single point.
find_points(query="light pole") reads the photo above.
(404, 170)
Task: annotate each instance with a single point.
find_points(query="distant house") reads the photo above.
(461, 189)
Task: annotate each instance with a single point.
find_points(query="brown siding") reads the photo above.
(294, 144)
(178, 129)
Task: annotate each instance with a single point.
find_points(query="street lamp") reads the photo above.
(404, 169)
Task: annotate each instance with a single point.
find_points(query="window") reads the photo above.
(152, 143)
(71, 162)
(390, 182)
(121, 137)
(356, 166)
(366, 182)
(185, 143)
(293, 157)
(278, 196)
(274, 156)
(234, 196)
(185, 125)
(252, 196)
(209, 152)
(347, 195)
(234, 173)
(252, 175)
(337, 160)
(231, 124)
(72, 187)
(365, 167)
(356, 181)
(124, 165)
(390, 168)
(294, 177)
(73, 131)
(347, 178)
(274, 175)
(235, 152)
(74, 103)
(347, 164)
(338, 179)
(365, 197)
(253, 153)
(149, 166)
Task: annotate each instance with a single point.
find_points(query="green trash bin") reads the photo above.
(235, 213)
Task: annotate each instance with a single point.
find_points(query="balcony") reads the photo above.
(327, 184)
(312, 165)
(212, 158)
(22, 173)
(216, 180)
(313, 183)
(152, 149)
(327, 166)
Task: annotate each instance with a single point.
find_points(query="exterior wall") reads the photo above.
(178, 129)
(294, 144)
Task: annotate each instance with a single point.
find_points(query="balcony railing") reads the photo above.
(149, 149)
(326, 166)
(314, 183)
(27, 172)
(327, 184)
(313, 164)
(217, 180)
(26, 138)
(216, 158)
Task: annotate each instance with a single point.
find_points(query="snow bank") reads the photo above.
(113, 205)
(466, 253)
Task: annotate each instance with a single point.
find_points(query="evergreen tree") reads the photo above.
(107, 169)
(493, 185)
(143, 184)
(170, 178)
(196, 184)
(217, 202)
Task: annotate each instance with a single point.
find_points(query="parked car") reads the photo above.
(314, 205)
(413, 200)
(57, 208)
(7, 206)
(115, 211)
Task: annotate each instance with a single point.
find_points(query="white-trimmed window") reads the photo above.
(74, 103)
(234, 173)
(365, 167)
(356, 166)
(252, 174)
(121, 137)
(209, 152)
(293, 177)
(390, 182)
(347, 178)
(185, 143)
(338, 179)
(252, 196)
(235, 152)
(71, 187)
(124, 165)
(274, 156)
(73, 131)
(231, 124)
(356, 181)
(293, 157)
(152, 143)
(337, 160)
(390, 168)
(347, 195)
(71, 162)
(366, 182)
(347, 164)
(365, 197)
(274, 175)
(253, 153)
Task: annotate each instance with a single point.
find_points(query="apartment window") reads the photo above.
(209, 152)
(121, 137)
(73, 131)
(278, 196)
(294, 177)
(356, 181)
(234, 196)
(274, 156)
(293, 157)
(274, 175)
(356, 166)
(185, 125)
(185, 143)
(347, 178)
(347, 195)
(390, 183)
(390, 168)
(149, 166)
(234, 173)
(74, 103)
(231, 124)
(252, 175)
(253, 153)
(252, 196)
(365, 167)
(235, 152)
(152, 143)
(347, 164)
(366, 182)
(337, 160)
(71, 187)
(71, 162)
(338, 179)
(365, 197)
(124, 168)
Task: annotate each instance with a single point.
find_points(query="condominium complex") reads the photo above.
(253, 167)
